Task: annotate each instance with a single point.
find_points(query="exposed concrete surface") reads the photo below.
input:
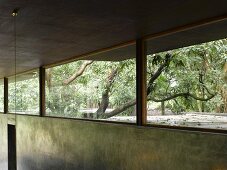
(3, 143)
(47, 143)
(53, 143)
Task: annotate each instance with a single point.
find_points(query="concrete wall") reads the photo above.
(52, 143)
(3, 142)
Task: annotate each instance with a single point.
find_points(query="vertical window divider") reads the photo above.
(141, 89)
(42, 107)
(6, 95)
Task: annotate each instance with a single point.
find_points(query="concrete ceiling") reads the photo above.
(49, 31)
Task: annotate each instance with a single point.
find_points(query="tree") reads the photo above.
(105, 78)
(162, 65)
(186, 79)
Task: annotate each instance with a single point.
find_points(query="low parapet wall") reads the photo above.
(53, 143)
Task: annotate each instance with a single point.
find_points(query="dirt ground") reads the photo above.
(188, 120)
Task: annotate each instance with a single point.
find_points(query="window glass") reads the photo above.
(24, 94)
(2, 95)
(92, 90)
(188, 86)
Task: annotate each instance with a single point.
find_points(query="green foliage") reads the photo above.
(193, 69)
(196, 69)
(85, 92)
(26, 100)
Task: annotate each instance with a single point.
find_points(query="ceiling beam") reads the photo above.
(186, 27)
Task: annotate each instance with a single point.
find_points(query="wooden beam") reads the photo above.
(42, 101)
(6, 109)
(186, 27)
(96, 52)
(170, 31)
(141, 92)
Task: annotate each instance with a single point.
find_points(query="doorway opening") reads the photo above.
(12, 147)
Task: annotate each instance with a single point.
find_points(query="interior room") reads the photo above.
(113, 85)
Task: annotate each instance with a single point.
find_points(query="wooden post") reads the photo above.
(141, 87)
(42, 91)
(6, 95)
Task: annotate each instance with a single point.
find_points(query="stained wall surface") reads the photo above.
(3, 142)
(53, 143)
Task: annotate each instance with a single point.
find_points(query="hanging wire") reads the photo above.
(14, 14)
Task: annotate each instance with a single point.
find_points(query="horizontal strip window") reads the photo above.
(101, 87)
(188, 86)
(23, 93)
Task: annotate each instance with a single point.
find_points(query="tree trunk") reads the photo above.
(199, 109)
(223, 91)
(78, 73)
(105, 95)
(48, 78)
(163, 107)
(150, 88)
(118, 110)
(104, 103)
